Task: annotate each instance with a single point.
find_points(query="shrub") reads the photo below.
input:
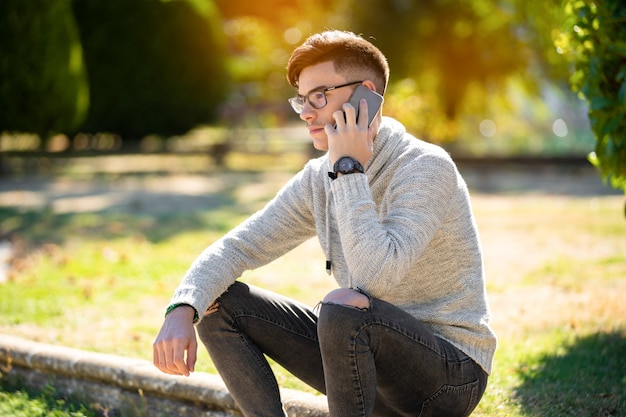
(155, 67)
(595, 39)
(43, 86)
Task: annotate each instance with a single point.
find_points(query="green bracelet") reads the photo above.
(196, 317)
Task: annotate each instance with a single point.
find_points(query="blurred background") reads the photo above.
(484, 78)
(135, 132)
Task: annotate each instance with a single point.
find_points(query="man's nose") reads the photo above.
(308, 112)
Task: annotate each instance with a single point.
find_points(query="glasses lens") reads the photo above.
(297, 104)
(317, 99)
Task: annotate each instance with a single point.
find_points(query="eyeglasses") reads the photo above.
(315, 97)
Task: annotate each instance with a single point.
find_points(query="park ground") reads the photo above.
(554, 250)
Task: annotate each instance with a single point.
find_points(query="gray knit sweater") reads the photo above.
(404, 232)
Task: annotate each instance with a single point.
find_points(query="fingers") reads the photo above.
(340, 119)
(344, 117)
(363, 114)
(163, 355)
(175, 359)
(350, 135)
(169, 357)
(192, 354)
(177, 337)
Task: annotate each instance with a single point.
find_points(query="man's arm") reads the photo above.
(284, 223)
(176, 337)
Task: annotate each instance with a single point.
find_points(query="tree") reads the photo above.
(595, 39)
(155, 66)
(43, 85)
(449, 58)
(261, 36)
(443, 44)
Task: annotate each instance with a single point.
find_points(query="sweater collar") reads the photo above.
(387, 140)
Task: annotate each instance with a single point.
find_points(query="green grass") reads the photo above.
(584, 376)
(16, 402)
(559, 372)
(555, 267)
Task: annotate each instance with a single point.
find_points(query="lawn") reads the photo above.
(92, 253)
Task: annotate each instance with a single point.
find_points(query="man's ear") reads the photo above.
(369, 84)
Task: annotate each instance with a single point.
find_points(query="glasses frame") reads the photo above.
(298, 102)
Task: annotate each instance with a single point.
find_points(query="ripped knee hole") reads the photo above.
(213, 308)
(347, 297)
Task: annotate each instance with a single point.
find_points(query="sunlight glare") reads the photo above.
(559, 127)
(487, 128)
(292, 35)
(232, 27)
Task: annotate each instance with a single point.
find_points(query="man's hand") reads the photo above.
(351, 137)
(177, 335)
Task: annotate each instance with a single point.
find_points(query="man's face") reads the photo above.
(314, 77)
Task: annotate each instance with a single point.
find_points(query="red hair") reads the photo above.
(351, 55)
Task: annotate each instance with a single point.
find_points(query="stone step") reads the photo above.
(120, 386)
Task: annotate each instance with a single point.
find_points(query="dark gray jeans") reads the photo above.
(375, 362)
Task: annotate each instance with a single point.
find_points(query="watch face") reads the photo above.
(346, 164)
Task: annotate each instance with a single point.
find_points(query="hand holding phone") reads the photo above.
(374, 101)
(356, 143)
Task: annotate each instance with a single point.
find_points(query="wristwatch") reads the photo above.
(346, 165)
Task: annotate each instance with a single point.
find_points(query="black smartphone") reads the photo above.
(374, 101)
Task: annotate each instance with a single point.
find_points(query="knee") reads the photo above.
(347, 297)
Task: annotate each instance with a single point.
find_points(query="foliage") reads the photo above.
(446, 47)
(454, 64)
(43, 85)
(536, 23)
(155, 67)
(277, 12)
(164, 66)
(595, 39)
(261, 36)
(256, 59)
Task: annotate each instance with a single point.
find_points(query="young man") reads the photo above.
(406, 334)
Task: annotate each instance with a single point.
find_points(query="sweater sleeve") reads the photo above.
(280, 226)
(381, 246)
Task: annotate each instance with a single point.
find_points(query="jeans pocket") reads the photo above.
(452, 401)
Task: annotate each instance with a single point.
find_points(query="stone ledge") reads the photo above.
(119, 384)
